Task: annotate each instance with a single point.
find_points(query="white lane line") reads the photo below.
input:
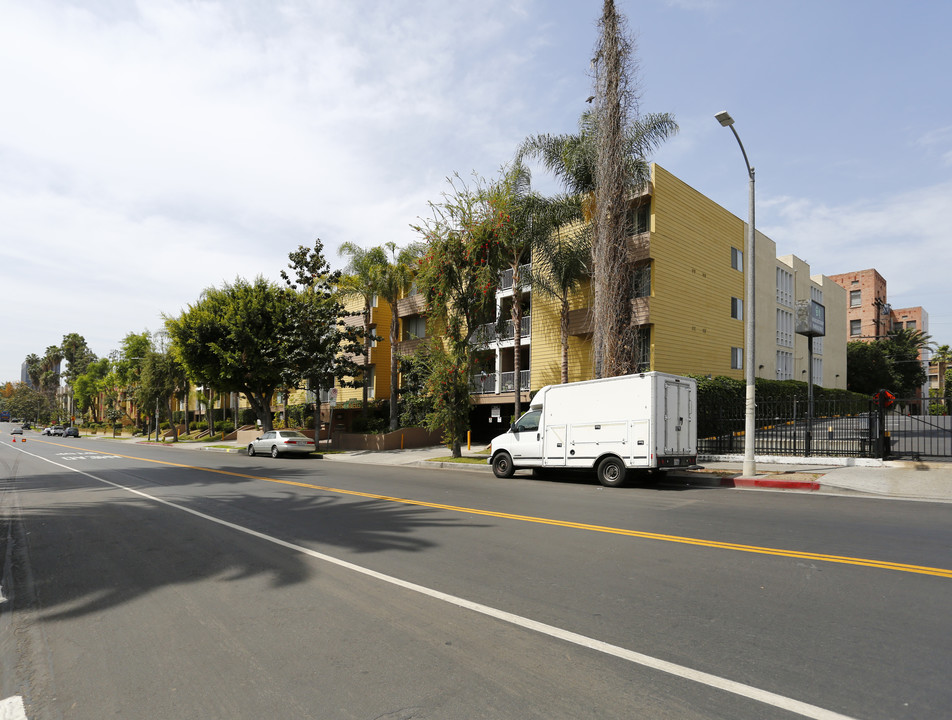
(12, 708)
(736, 688)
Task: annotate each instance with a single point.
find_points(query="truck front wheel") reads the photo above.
(612, 472)
(502, 465)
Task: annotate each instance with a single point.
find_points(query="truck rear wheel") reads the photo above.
(502, 465)
(612, 472)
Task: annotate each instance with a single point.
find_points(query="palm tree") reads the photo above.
(393, 282)
(362, 280)
(531, 220)
(943, 353)
(573, 159)
(559, 265)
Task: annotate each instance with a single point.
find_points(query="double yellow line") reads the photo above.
(819, 557)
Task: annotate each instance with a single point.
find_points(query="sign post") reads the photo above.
(811, 321)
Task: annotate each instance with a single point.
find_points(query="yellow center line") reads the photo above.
(756, 549)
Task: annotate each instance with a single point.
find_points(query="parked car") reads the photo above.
(27, 426)
(47, 431)
(16, 431)
(71, 432)
(279, 442)
(57, 430)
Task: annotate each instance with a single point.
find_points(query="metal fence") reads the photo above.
(836, 428)
(784, 427)
(918, 428)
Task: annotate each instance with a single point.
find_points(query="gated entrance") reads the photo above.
(881, 427)
(915, 428)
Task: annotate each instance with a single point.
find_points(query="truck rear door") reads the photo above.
(678, 419)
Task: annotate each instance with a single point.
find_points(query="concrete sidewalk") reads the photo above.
(931, 481)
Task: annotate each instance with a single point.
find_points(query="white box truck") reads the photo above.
(646, 421)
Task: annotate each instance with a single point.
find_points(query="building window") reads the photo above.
(638, 219)
(737, 308)
(856, 298)
(855, 328)
(737, 259)
(737, 358)
(784, 288)
(641, 281)
(414, 327)
(784, 328)
(370, 378)
(784, 365)
(911, 325)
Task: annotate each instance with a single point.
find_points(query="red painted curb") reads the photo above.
(776, 484)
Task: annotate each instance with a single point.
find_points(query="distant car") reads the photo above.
(71, 432)
(47, 431)
(57, 430)
(16, 431)
(27, 426)
(279, 442)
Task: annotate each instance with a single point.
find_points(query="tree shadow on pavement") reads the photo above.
(87, 556)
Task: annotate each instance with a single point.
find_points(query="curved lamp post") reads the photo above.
(750, 467)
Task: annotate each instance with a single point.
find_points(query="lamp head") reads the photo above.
(724, 118)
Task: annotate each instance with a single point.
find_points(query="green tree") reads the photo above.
(606, 162)
(524, 220)
(416, 404)
(88, 386)
(393, 281)
(560, 264)
(127, 369)
(29, 403)
(33, 371)
(867, 370)
(236, 338)
(163, 379)
(361, 280)
(458, 276)
(943, 353)
(320, 344)
(903, 350)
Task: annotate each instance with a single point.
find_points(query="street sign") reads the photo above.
(885, 397)
(332, 397)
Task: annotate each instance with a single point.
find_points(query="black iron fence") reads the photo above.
(918, 428)
(880, 427)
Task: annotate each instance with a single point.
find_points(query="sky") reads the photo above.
(151, 149)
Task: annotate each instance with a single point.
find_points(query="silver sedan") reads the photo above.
(279, 442)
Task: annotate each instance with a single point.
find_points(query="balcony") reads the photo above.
(639, 247)
(485, 383)
(486, 334)
(508, 381)
(412, 305)
(506, 277)
(640, 311)
(580, 322)
(408, 347)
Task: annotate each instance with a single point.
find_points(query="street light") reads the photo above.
(750, 467)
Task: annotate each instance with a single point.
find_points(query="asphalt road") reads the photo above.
(150, 582)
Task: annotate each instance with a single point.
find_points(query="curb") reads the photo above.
(772, 484)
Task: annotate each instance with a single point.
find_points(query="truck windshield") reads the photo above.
(528, 422)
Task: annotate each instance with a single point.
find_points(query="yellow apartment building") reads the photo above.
(688, 304)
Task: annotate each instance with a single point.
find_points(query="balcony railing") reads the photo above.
(506, 276)
(486, 334)
(485, 383)
(508, 379)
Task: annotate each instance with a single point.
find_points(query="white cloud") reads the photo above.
(904, 236)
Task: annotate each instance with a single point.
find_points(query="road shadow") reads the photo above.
(75, 556)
